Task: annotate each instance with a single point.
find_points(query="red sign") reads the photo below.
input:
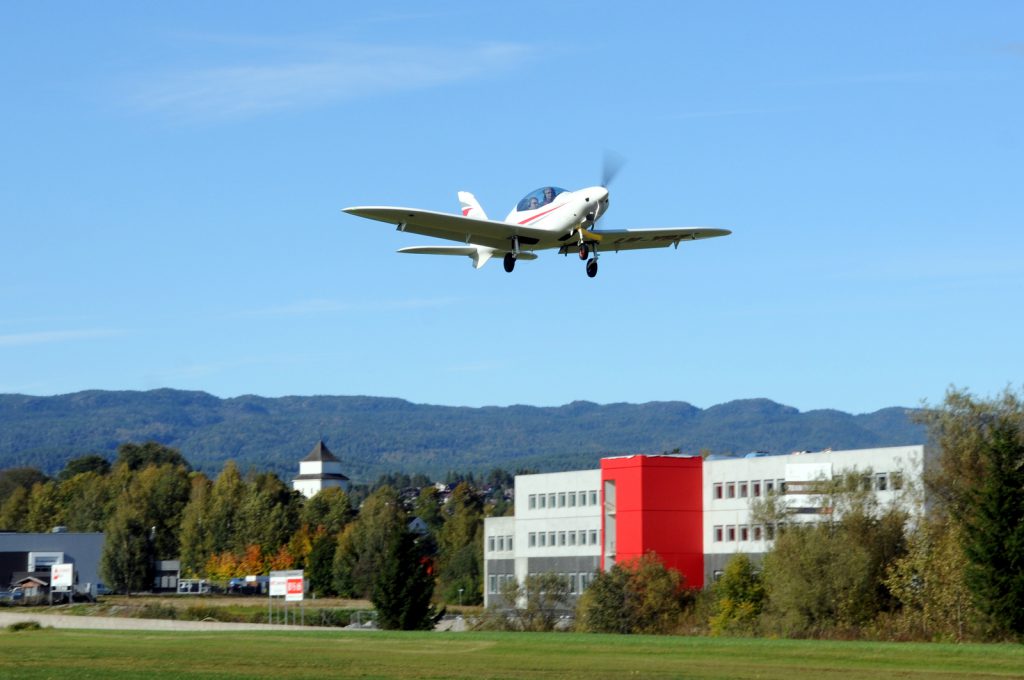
(294, 588)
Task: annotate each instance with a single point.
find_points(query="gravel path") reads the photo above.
(117, 623)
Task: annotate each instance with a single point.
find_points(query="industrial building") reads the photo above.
(694, 513)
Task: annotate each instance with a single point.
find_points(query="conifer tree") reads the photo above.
(403, 586)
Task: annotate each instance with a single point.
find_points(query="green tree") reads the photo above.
(138, 456)
(403, 586)
(929, 582)
(738, 598)
(363, 543)
(428, 508)
(14, 510)
(637, 596)
(320, 565)
(160, 493)
(20, 477)
(330, 509)
(87, 501)
(225, 511)
(460, 547)
(44, 508)
(88, 463)
(979, 485)
(268, 513)
(127, 560)
(196, 539)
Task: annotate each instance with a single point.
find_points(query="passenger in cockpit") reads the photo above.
(549, 195)
(533, 203)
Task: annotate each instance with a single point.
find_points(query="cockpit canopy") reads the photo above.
(538, 198)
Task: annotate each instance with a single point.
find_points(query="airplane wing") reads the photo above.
(453, 227)
(632, 239)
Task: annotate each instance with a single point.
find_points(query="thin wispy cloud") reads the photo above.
(43, 337)
(322, 306)
(337, 72)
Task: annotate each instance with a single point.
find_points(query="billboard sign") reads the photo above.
(287, 584)
(62, 576)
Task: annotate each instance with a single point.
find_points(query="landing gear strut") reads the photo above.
(510, 262)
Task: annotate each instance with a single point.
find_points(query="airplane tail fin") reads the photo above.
(470, 206)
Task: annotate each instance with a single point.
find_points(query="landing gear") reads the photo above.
(510, 262)
(592, 268)
(584, 251)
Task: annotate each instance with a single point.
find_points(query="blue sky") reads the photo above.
(172, 178)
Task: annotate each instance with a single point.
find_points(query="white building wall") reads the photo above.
(731, 486)
(558, 519)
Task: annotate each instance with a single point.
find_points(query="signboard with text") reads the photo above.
(287, 584)
(62, 576)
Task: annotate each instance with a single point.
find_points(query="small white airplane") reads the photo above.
(547, 218)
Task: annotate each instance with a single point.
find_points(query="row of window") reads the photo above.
(733, 533)
(501, 543)
(881, 481)
(577, 582)
(562, 499)
(543, 539)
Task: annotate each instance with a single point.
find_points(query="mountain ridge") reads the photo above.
(374, 435)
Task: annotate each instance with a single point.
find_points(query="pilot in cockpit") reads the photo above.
(549, 195)
(533, 203)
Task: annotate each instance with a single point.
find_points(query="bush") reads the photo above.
(24, 625)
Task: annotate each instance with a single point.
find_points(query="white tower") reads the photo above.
(321, 469)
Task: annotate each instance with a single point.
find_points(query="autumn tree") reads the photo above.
(738, 598)
(636, 596)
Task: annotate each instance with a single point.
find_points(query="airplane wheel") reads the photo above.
(592, 268)
(510, 262)
(584, 251)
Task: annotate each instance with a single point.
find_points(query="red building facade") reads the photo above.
(654, 503)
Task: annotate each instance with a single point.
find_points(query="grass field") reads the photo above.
(50, 653)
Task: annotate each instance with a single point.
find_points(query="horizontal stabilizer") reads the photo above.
(479, 254)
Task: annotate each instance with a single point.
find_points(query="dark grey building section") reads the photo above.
(714, 565)
(82, 550)
(563, 565)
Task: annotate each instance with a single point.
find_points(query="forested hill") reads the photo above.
(373, 435)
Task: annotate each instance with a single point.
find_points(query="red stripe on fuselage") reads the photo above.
(539, 215)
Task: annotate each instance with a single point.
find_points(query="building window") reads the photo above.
(543, 539)
(757, 532)
(561, 500)
(593, 498)
(532, 539)
(551, 500)
(769, 532)
(730, 490)
(755, 489)
(533, 501)
(542, 501)
(718, 492)
(561, 538)
(490, 544)
(881, 482)
(781, 485)
(897, 480)
(551, 539)
(572, 538)
(508, 543)
(593, 537)
(718, 534)
(744, 533)
(572, 499)
(583, 497)
(743, 489)
(493, 583)
(730, 533)
(501, 543)
(769, 486)
(572, 584)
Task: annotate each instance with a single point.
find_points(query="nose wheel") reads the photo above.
(592, 268)
(584, 251)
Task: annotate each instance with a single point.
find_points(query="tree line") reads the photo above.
(153, 506)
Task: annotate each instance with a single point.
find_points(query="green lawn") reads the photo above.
(51, 653)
